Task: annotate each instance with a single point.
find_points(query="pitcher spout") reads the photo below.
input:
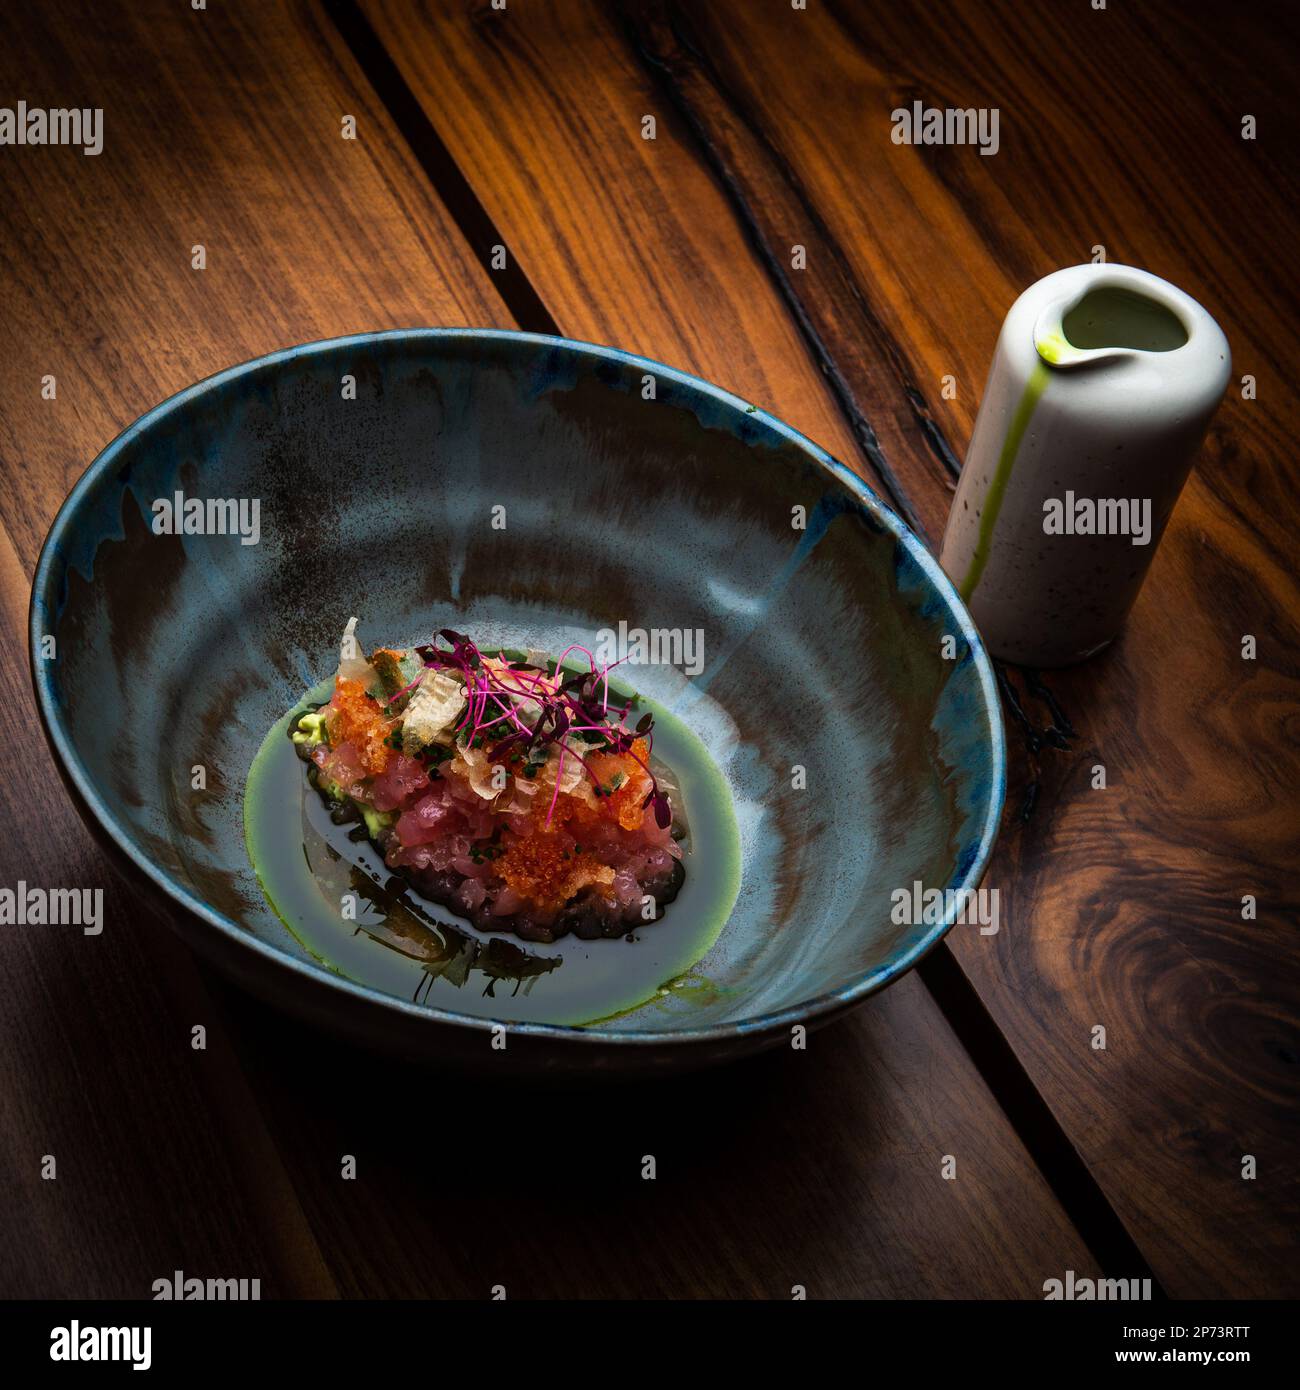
(1109, 317)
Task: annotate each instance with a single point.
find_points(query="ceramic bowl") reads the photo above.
(632, 493)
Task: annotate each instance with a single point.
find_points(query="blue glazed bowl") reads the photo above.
(634, 493)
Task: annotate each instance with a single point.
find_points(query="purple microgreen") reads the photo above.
(569, 704)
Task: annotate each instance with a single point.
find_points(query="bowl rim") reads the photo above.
(43, 604)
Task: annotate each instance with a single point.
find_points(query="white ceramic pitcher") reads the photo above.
(1102, 386)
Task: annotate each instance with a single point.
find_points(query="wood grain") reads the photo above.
(820, 1169)
(1123, 905)
(222, 128)
(543, 114)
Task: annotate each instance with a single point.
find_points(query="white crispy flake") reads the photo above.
(478, 772)
(526, 707)
(431, 715)
(352, 665)
(572, 774)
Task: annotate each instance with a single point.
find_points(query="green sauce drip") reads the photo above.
(1034, 388)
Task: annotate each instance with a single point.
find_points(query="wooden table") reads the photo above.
(523, 127)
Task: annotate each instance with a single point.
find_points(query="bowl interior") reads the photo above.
(535, 492)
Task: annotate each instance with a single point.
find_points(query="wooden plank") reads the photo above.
(642, 249)
(818, 1168)
(98, 1075)
(1123, 905)
(366, 245)
(517, 106)
(221, 128)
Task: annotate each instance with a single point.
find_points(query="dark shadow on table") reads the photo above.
(464, 1183)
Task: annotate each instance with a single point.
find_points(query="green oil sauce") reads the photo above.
(394, 940)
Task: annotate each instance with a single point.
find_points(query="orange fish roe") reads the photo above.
(540, 869)
(623, 804)
(537, 868)
(357, 719)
